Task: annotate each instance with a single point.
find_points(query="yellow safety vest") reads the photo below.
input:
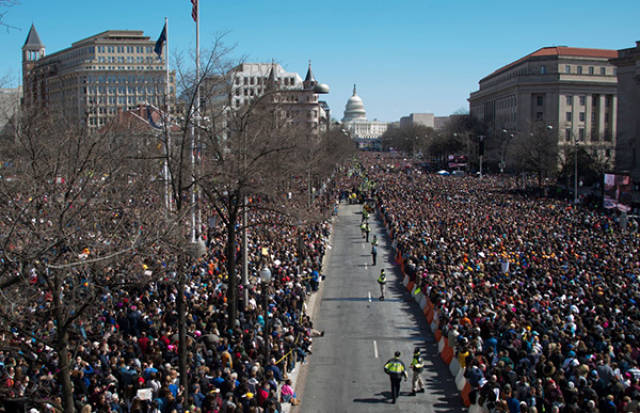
(382, 279)
(394, 366)
(417, 365)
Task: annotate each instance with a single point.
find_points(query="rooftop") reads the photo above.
(559, 51)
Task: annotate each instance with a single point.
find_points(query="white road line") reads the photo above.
(369, 296)
(365, 266)
(375, 349)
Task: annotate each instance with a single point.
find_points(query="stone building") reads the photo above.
(571, 90)
(628, 139)
(95, 78)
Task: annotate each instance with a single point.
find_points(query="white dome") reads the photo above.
(354, 110)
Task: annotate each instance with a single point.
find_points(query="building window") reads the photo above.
(591, 70)
(539, 116)
(569, 100)
(607, 153)
(543, 69)
(581, 116)
(567, 134)
(603, 71)
(579, 70)
(246, 80)
(583, 99)
(581, 134)
(539, 100)
(569, 116)
(567, 69)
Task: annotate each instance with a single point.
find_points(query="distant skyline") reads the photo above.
(405, 57)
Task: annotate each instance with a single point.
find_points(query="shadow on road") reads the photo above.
(383, 397)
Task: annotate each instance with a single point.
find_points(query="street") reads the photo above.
(345, 372)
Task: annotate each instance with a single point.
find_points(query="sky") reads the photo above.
(406, 56)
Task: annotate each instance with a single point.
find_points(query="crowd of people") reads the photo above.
(125, 359)
(538, 298)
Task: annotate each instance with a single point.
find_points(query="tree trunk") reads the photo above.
(182, 330)
(62, 344)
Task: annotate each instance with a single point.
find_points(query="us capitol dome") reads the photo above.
(367, 133)
(354, 110)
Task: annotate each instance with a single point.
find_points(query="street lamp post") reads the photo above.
(575, 170)
(265, 277)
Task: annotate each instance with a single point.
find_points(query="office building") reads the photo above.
(415, 119)
(573, 90)
(95, 78)
(628, 139)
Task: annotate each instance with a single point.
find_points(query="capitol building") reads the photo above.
(367, 133)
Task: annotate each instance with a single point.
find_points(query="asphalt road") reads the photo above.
(345, 372)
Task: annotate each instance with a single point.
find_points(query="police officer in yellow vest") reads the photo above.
(417, 366)
(382, 280)
(396, 371)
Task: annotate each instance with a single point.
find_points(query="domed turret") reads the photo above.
(354, 110)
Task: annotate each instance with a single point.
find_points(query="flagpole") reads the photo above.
(193, 129)
(198, 116)
(167, 123)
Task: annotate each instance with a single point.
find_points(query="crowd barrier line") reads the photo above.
(431, 314)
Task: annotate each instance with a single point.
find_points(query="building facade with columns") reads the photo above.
(573, 90)
(95, 78)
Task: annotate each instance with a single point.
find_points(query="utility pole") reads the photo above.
(481, 152)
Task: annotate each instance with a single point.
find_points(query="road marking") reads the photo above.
(362, 246)
(375, 349)
(369, 296)
(365, 266)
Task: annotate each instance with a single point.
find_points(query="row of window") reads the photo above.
(582, 117)
(583, 100)
(128, 59)
(147, 78)
(602, 71)
(121, 100)
(262, 80)
(140, 68)
(121, 90)
(595, 137)
(123, 49)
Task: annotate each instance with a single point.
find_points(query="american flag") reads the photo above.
(194, 10)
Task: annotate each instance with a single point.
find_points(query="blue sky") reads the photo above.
(405, 56)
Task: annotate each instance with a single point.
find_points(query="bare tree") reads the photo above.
(537, 151)
(71, 233)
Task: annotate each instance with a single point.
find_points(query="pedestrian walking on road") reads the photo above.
(417, 385)
(374, 253)
(382, 280)
(367, 230)
(396, 371)
(363, 229)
